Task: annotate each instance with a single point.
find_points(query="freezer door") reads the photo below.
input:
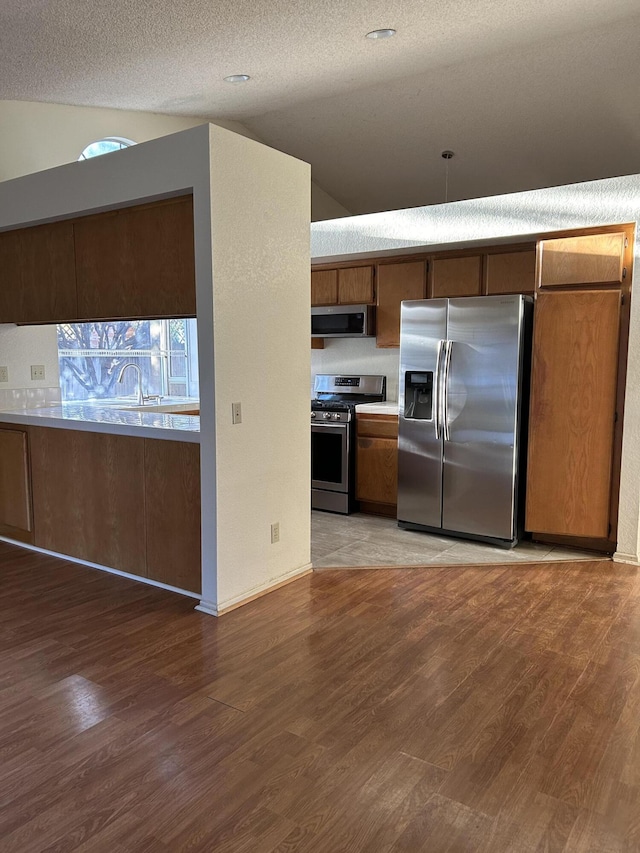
(481, 389)
(423, 326)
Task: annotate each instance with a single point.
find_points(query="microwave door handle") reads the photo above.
(445, 383)
(437, 389)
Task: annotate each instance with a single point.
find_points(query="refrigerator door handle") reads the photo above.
(445, 394)
(437, 393)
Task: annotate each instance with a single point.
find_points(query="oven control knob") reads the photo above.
(327, 416)
(313, 415)
(336, 417)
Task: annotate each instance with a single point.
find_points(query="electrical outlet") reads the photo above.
(37, 371)
(236, 413)
(275, 533)
(4, 374)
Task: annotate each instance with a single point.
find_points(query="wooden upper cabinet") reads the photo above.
(396, 282)
(589, 259)
(355, 285)
(324, 287)
(15, 485)
(572, 412)
(137, 261)
(457, 276)
(37, 274)
(511, 272)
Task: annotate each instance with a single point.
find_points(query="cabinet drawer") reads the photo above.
(377, 426)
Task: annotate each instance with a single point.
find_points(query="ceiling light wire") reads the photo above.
(446, 156)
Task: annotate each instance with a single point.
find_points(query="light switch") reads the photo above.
(236, 413)
(37, 371)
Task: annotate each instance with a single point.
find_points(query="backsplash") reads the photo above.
(28, 398)
(359, 356)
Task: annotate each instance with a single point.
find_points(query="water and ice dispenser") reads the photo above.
(418, 395)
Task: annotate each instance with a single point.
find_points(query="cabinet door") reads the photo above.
(511, 272)
(172, 509)
(355, 286)
(137, 262)
(88, 496)
(324, 287)
(15, 488)
(572, 413)
(590, 259)
(457, 277)
(395, 283)
(37, 274)
(377, 470)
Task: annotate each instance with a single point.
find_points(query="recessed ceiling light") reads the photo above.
(237, 78)
(381, 34)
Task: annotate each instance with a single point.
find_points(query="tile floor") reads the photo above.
(351, 541)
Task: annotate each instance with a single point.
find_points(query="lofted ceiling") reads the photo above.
(527, 94)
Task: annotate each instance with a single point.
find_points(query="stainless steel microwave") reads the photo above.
(343, 321)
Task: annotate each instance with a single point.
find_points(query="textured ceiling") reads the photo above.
(526, 93)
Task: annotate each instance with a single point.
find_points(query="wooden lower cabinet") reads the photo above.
(572, 413)
(16, 518)
(172, 511)
(129, 503)
(377, 463)
(88, 496)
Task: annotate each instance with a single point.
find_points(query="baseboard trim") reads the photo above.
(631, 559)
(100, 567)
(212, 609)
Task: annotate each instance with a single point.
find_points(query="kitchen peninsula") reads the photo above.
(157, 477)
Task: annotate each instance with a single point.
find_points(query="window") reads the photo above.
(105, 146)
(91, 356)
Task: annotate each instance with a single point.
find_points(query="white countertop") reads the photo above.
(390, 407)
(92, 418)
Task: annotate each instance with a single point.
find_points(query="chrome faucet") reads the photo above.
(136, 367)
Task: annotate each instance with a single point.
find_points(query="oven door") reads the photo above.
(330, 457)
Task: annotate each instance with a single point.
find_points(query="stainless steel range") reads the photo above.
(333, 437)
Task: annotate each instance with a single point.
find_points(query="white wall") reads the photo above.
(22, 346)
(359, 356)
(261, 286)
(517, 215)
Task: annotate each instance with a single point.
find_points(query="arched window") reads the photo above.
(105, 146)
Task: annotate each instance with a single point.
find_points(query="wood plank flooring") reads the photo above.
(493, 709)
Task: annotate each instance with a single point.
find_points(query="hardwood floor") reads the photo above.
(487, 709)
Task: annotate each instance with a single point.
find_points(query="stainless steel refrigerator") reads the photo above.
(463, 397)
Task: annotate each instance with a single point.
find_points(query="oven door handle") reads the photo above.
(329, 426)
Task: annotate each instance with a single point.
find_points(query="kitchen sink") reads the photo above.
(192, 408)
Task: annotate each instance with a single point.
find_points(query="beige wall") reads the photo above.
(260, 251)
(35, 136)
